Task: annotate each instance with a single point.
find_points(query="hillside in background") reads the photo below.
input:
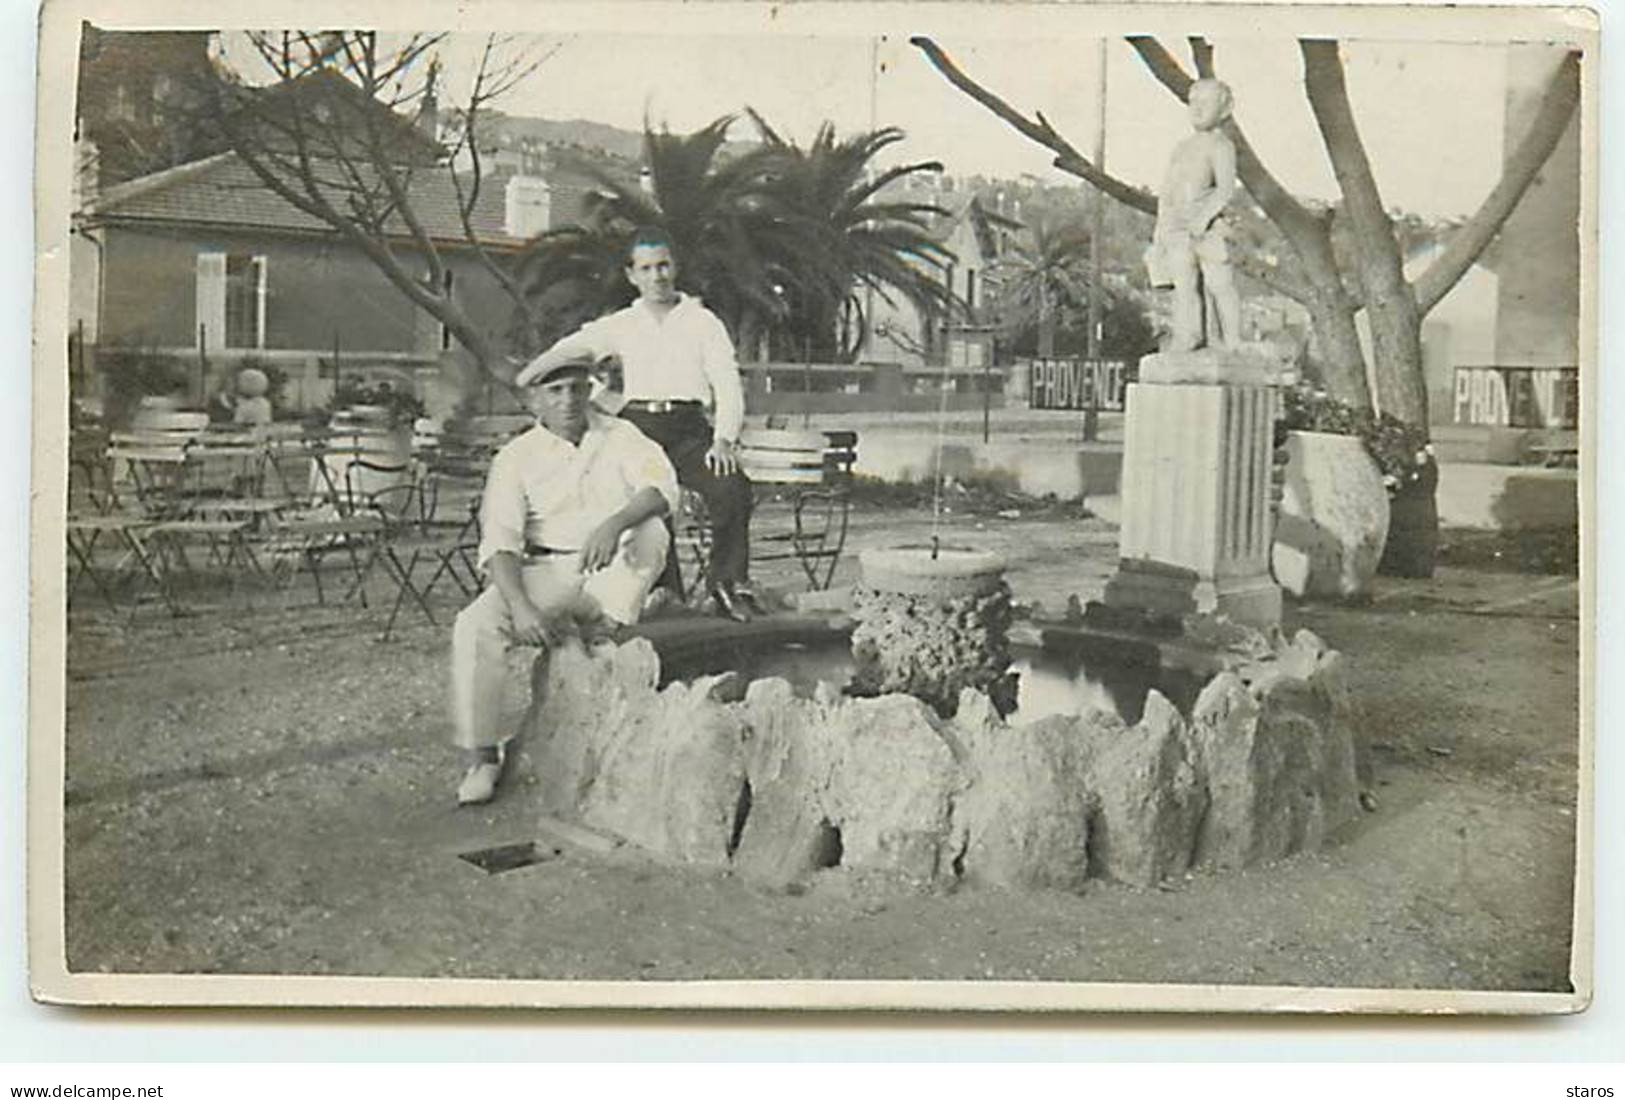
(581, 133)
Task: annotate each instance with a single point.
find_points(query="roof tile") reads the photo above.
(223, 190)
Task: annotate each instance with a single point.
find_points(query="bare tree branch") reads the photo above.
(1279, 203)
(1202, 54)
(1067, 158)
(1270, 277)
(1390, 305)
(334, 138)
(486, 89)
(1557, 106)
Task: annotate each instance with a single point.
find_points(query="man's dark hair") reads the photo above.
(650, 236)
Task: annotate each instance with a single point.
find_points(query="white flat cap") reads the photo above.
(531, 374)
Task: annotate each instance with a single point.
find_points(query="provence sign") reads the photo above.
(1518, 397)
(1076, 384)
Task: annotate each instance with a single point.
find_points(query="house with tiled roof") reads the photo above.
(203, 260)
(975, 237)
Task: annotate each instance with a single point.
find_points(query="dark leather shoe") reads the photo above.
(745, 596)
(729, 605)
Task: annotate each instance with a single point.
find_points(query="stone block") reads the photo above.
(1150, 798)
(1279, 761)
(1333, 519)
(1194, 533)
(862, 784)
(891, 788)
(1023, 818)
(579, 697)
(661, 768)
(789, 766)
(670, 780)
(1246, 366)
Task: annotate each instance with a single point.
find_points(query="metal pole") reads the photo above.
(987, 390)
(203, 365)
(806, 382)
(1091, 416)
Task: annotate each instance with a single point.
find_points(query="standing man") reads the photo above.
(677, 359)
(571, 535)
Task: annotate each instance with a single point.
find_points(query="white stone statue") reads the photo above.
(1189, 247)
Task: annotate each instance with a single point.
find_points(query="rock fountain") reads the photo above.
(917, 769)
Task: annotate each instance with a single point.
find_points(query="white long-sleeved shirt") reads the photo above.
(684, 356)
(543, 490)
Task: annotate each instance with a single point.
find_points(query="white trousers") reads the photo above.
(484, 708)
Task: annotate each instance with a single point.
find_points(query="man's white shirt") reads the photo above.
(543, 490)
(684, 356)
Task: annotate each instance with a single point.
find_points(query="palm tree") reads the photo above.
(778, 237)
(861, 241)
(721, 213)
(1044, 277)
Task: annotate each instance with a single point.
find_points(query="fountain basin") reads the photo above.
(948, 572)
(1050, 681)
(781, 782)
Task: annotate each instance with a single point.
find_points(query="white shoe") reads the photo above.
(479, 785)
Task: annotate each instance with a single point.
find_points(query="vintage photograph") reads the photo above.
(836, 505)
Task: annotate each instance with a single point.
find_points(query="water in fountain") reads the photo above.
(1049, 682)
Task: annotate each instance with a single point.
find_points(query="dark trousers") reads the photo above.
(685, 435)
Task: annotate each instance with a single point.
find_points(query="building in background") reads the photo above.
(1502, 349)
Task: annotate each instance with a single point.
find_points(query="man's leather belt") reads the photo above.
(661, 406)
(533, 551)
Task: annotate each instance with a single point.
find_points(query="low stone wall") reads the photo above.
(780, 787)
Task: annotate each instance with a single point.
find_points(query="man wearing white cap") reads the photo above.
(677, 359)
(572, 538)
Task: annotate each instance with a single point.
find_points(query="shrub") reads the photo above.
(131, 373)
(404, 407)
(1400, 450)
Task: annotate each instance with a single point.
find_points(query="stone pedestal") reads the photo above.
(1195, 534)
(933, 625)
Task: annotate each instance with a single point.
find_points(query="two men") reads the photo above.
(677, 359)
(574, 529)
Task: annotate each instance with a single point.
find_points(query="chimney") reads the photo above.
(528, 206)
(428, 121)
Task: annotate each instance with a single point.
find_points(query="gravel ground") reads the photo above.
(272, 793)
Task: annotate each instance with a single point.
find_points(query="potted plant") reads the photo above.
(139, 378)
(1351, 480)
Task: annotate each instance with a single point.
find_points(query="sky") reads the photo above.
(1430, 113)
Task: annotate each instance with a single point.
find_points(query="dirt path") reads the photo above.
(275, 796)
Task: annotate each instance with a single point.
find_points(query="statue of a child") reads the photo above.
(1189, 249)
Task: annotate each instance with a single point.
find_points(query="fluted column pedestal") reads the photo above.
(1195, 533)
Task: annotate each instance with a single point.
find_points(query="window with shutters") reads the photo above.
(245, 301)
(230, 300)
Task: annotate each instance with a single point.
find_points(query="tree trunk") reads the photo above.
(1396, 341)
(1341, 359)
(1390, 304)
(1557, 107)
(750, 338)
